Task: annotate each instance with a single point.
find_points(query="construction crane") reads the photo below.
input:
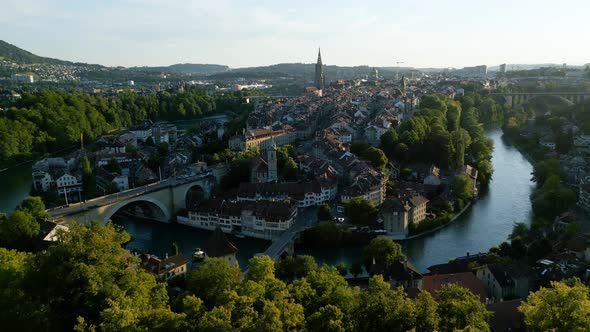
(397, 69)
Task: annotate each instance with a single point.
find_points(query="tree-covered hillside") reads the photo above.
(48, 120)
(9, 52)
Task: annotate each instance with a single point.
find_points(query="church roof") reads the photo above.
(259, 164)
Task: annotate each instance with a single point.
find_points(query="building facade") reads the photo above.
(260, 219)
(265, 169)
(164, 269)
(260, 137)
(397, 214)
(306, 194)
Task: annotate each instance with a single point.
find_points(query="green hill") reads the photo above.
(9, 52)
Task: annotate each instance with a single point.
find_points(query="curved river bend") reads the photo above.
(486, 223)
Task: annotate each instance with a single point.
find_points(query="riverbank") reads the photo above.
(520, 148)
(430, 231)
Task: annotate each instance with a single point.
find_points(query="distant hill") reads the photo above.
(303, 71)
(188, 68)
(196, 68)
(16, 54)
(306, 71)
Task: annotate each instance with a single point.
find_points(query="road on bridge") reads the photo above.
(305, 219)
(123, 195)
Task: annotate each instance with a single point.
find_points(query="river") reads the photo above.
(488, 222)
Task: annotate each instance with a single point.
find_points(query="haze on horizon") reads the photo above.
(421, 33)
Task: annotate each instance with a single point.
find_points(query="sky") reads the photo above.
(243, 33)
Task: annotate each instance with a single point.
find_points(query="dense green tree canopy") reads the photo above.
(360, 211)
(462, 187)
(87, 281)
(461, 309)
(563, 307)
(49, 120)
(381, 250)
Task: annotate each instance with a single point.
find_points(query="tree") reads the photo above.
(324, 212)
(544, 169)
(212, 279)
(89, 275)
(426, 313)
(356, 269)
(359, 148)
(325, 235)
(552, 198)
(462, 187)
(388, 141)
(383, 309)
(19, 230)
(564, 142)
(402, 151)
(295, 267)
(359, 210)
(458, 309)
(453, 115)
(328, 318)
(381, 250)
(563, 307)
(17, 310)
(261, 268)
(113, 166)
(342, 269)
(88, 180)
(376, 157)
(33, 205)
(329, 287)
(285, 162)
(461, 140)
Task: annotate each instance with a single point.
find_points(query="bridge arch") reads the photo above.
(194, 194)
(152, 202)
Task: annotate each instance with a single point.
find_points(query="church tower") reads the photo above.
(271, 159)
(320, 78)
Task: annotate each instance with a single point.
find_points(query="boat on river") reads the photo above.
(198, 255)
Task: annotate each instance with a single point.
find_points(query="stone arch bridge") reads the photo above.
(163, 199)
(518, 98)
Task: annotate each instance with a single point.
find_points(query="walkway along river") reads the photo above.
(488, 222)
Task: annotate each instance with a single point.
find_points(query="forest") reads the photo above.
(46, 121)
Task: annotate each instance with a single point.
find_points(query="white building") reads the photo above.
(305, 194)
(68, 183)
(41, 181)
(261, 219)
(24, 78)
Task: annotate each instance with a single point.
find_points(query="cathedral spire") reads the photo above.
(320, 78)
